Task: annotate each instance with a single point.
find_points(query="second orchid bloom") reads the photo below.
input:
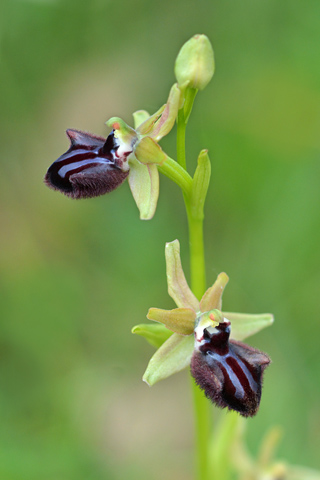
(199, 334)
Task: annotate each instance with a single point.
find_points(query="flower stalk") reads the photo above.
(171, 169)
(202, 413)
(202, 407)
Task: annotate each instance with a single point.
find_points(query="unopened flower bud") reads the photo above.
(195, 63)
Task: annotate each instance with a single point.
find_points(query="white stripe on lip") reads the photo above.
(246, 371)
(239, 393)
(74, 165)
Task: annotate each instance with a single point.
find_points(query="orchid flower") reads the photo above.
(94, 166)
(197, 334)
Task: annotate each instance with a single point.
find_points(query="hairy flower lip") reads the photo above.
(89, 168)
(229, 372)
(231, 377)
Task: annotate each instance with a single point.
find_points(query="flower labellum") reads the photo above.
(229, 372)
(91, 167)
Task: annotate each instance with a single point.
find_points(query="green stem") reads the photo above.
(202, 431)
(198, 286)
(197, 263)
(181, 139)
(201, 404)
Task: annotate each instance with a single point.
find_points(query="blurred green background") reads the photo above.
(76, 276)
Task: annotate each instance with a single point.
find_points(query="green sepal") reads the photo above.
(178, 287)
(139, 117)
(148, 151)
(172, 357)
(200, 184)
(213, 296)
(244, 325)
(155, 333)
(144, 184)
(178, 320)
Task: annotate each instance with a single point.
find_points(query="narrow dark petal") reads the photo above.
(229, 372)
(88, 169)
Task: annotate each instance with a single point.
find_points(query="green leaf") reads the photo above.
(179, 320)
(244, 325)
(212, 299)
(178, 287)
(155, 334)
(144, 184)
(172, 357)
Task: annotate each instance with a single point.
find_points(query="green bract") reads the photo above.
(174, 353)
(146, 152)
(200, 184)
